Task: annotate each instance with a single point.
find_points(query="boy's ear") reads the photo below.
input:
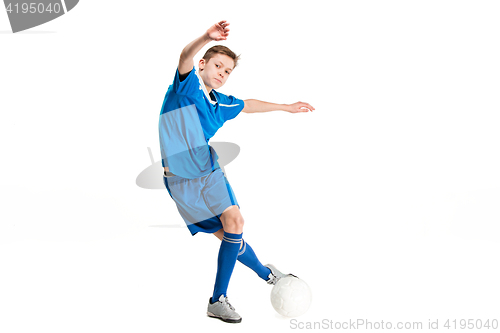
(201, 64)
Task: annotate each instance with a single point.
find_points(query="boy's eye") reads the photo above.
(217, 65)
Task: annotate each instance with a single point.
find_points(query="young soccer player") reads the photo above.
(191, 114)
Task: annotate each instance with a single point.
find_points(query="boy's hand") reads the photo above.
(218, 31)
(299, 107)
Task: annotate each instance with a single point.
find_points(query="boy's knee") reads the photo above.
(234, 223)
(232, 220)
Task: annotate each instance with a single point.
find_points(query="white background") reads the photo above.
(385, 200)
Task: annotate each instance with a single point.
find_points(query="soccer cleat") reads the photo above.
(275, 274)
(223, 310)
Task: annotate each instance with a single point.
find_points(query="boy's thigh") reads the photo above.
(187, 196)
(230, 207)
(218, 193)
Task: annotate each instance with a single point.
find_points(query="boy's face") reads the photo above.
(216, 71)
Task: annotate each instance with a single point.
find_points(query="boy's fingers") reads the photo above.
(309, 106)
(303, 107)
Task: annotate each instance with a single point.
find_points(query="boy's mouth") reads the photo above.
(219, 80)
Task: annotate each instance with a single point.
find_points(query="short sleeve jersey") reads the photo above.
(189, 118)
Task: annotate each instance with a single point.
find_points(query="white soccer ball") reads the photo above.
(291, 296)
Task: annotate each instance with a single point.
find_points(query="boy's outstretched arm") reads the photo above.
(218, 31)
(254, 105)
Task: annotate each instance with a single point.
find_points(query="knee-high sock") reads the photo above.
(228, 253)
(248, 258)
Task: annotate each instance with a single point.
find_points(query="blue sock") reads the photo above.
(228, 253)
(248, 258)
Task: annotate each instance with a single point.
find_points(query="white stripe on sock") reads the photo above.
(231, 240)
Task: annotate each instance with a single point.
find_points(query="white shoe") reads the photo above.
(275, 274)
(223, 310)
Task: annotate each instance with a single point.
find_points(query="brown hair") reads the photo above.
(221, 49)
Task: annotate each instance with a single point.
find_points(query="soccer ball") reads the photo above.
(291, 296)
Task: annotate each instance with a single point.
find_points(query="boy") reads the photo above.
(192, 112)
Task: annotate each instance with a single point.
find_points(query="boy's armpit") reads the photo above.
(182, 77)
(185, 84)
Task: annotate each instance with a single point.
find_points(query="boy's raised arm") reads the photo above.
(218, 31)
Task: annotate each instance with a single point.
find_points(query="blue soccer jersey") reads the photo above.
(188, 119)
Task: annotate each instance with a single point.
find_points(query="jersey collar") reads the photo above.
(202, 87)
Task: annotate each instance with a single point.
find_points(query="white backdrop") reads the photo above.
(384, 200)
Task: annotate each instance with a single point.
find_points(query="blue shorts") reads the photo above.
(201, 201)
